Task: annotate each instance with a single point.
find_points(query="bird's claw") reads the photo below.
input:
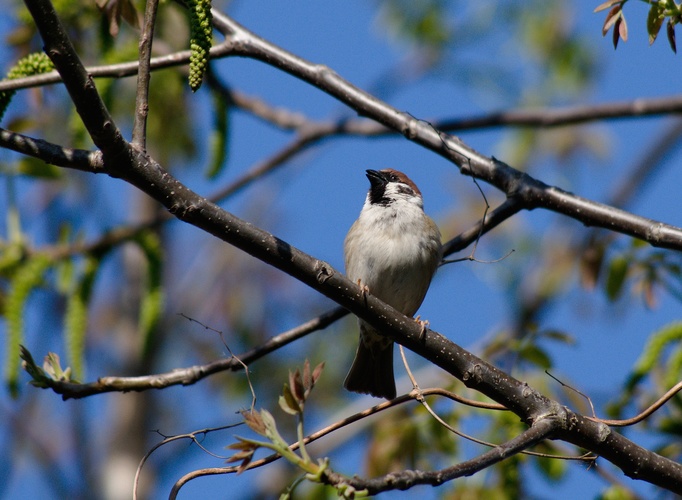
(364, 290)
(424, 326)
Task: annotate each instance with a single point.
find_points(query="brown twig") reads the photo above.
(193, 374)
(144, 75)
(646, 413)
(169, 439)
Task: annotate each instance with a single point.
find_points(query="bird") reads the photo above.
(392, 252)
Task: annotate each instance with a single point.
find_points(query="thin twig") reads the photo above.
(651, 409)
(406, 479)
(191, 375)
(418, 395)
(232, 356)
(587, 398)
(144, 75)
(169, 439)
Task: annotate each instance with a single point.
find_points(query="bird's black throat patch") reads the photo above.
(377, 190)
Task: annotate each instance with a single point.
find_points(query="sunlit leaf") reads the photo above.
(537, 356)
(559, 336)
(654, 21)
(622, 26)
(32, 167)
(288, 403)
(615, 277)
(611, 18)
(606, 5)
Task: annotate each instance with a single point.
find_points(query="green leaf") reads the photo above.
(34, 167)
(288, 402)
(655, 348)
(552, 468)
(219, 135)
(537, 356)
(559, 336)
(618, 269)
(616, 492)
(52, 366)
(37, 374)
(654, 21)
(270, 425)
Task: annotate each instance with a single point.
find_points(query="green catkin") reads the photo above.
(26, 278)
(76, 317)
(151, 302)
(201, 34)
(33, 64)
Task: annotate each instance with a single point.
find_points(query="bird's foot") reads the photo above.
(424, 326)
(364, 290)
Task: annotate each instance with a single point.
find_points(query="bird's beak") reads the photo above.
(376, 178)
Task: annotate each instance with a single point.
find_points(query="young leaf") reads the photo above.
(606, 5)
(245, 455)
(255, 422)
(270, 425)
(670, 28)
(296, 385)
(615, 278)
(616, 32)
(53, 367)
(37, 374)
(307, 379)
(317, 372)
(288, 402)
(622, 27)
(654, 21)
(611, 18)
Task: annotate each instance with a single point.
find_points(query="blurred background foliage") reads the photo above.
(115, 308)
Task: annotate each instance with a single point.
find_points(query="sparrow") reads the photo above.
(392, 251)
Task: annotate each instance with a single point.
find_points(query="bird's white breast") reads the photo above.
(394, 250)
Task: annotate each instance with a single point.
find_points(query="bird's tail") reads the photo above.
(372, 369)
